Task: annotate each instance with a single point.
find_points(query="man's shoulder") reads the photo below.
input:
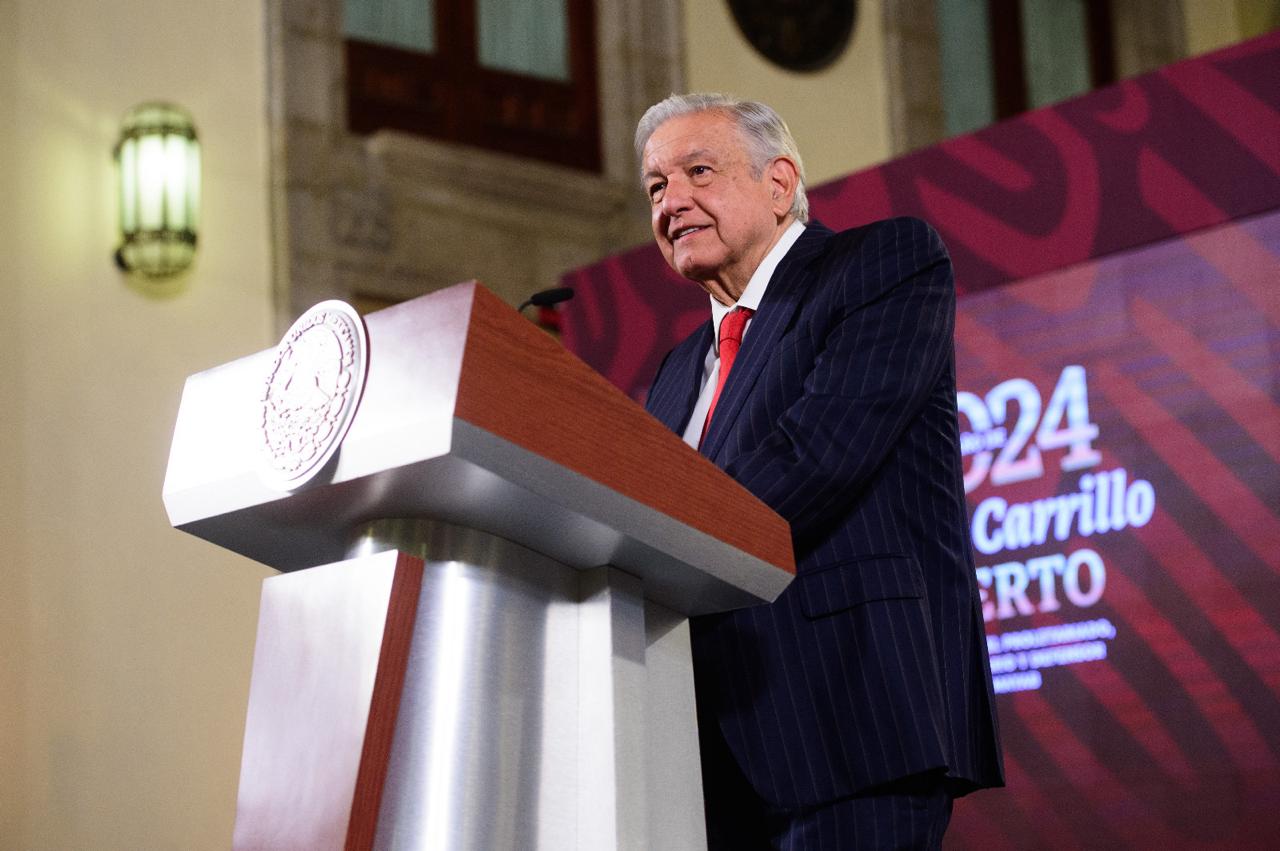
(884, 249)
(869, 260)
(886, 234)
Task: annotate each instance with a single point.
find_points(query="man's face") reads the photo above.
(713, 219)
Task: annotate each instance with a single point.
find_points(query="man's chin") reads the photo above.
(693, 270)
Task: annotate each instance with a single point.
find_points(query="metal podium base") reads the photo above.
(542, 707)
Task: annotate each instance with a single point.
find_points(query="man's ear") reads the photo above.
(783, 178)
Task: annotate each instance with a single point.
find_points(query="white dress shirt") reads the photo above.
(751, 298)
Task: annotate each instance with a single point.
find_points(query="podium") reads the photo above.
(479, 635)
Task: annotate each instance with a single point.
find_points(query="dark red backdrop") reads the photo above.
(1120, 254)
(1192, 145)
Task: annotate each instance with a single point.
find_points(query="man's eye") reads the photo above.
(698, 170)
(655, 189)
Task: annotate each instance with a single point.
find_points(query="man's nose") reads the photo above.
(676, 198)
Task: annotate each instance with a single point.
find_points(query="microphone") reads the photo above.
(547, 298)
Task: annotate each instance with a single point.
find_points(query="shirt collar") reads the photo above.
(754, 293)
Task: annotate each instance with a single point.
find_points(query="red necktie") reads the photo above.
(731, 328)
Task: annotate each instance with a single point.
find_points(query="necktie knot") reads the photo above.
(731, 328)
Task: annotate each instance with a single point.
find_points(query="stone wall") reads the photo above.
(391, 216)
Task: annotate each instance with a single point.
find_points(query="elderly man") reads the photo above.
(850, 712)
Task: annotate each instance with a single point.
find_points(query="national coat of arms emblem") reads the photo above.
(312, 391)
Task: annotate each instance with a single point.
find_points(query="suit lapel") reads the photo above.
(790, 281)
(675, 392)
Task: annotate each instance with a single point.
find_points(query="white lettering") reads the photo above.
(987, 540)
(1015, 588)
(1017, 526)
(1106, 502)
(1047, 569)
(1011, 590)
(1140, 503)
(1071, 577)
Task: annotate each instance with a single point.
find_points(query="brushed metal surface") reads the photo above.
(673, 768)
(534, 704)
(485, 749)
(541, 707)
(319, 637)
(612, 792)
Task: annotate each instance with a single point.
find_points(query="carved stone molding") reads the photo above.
(391, 216)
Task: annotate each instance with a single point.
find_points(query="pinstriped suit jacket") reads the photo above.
(840, 414)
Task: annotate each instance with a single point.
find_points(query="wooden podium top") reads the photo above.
(473, 416)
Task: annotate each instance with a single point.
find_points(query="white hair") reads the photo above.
(763, 131)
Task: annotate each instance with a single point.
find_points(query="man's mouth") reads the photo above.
(680, 233)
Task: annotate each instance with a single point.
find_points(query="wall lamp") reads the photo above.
(158, 165)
